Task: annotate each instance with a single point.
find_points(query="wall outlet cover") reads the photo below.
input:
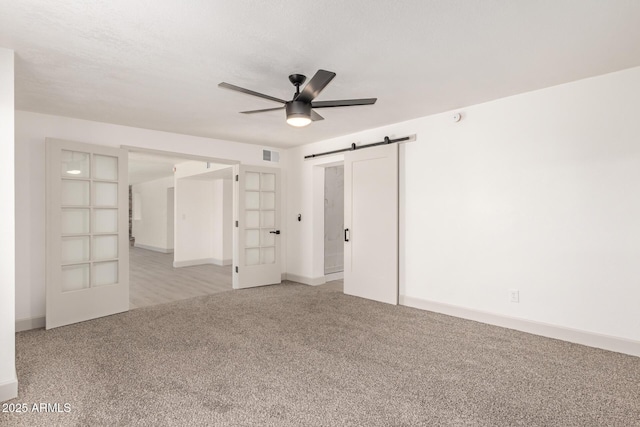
(514, 295)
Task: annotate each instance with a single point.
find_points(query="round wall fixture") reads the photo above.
(456, 117)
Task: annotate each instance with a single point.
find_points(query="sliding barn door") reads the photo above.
(257, 233)
(371, 223)
(87, 252)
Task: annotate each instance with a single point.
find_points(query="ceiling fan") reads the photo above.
(299, 109)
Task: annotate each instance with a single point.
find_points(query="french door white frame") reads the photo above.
(87, 253)
(257, 235)
(53, 218)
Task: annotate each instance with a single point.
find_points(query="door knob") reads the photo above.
(275, 232)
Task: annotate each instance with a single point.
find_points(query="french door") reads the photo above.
(87, 252)
(256, 260)
(371, 223)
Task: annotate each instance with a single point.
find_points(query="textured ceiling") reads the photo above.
(156, 64)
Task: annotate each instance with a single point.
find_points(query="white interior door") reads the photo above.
(371, 223)
(87, 273)
(256, 258)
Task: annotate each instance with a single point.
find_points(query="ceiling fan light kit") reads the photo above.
(299, 111)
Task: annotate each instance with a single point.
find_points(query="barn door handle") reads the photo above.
(347, 234)
(275, 232)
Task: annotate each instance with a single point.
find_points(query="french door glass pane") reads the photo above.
(267, 200)
(106, 194)
(105, 247)
(105, 167)
(267, 219)
(267, 238)
(74, 164)
(105, 273)
(75, 277)
(252, 256)
(105, 220)
(75, 249)
(260, 214)
(252, 238)
(252, 200)
(75, 221)
(252, 219)
(267, 255)
(268, 182)
(252, 181)
(75, 193)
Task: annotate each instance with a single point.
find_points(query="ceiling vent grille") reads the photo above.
(270, 156)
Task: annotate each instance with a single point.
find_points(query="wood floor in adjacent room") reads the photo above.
(153, 279)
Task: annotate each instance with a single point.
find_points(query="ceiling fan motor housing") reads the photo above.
(298, 109)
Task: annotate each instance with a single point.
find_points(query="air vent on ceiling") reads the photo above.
(270, 156)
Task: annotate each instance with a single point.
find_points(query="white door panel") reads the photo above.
(371, 218)
(257, 234)
(87, 273)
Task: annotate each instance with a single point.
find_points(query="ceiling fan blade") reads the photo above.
(262, 111)
(250, 92)
(343, 103)
(315, 116)
(319, 81)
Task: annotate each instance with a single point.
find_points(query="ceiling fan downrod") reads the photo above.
(297, 80)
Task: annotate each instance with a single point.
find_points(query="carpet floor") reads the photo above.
(295, 355)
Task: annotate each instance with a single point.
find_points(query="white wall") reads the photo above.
(538, 192)
(8, 380)
(196, 167)
(217, 194)
(152, 230)
(222, 221)
(31, 129)
(170, 216)
(217, 234)
(227, 221)
(204, 209)
(194, 222)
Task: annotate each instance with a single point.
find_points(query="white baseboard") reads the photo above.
(591, 339)
(192, 262)
(154, 248)
(339, 275)
(9, 389)
(332, 270)
(312, 281)
(30, 323)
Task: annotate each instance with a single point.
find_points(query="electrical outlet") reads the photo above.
(514, 295)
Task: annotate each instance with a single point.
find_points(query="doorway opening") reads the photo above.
(333, 222)
(181, 219)
(88, 240)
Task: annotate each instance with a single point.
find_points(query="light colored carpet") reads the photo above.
(294, 355)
